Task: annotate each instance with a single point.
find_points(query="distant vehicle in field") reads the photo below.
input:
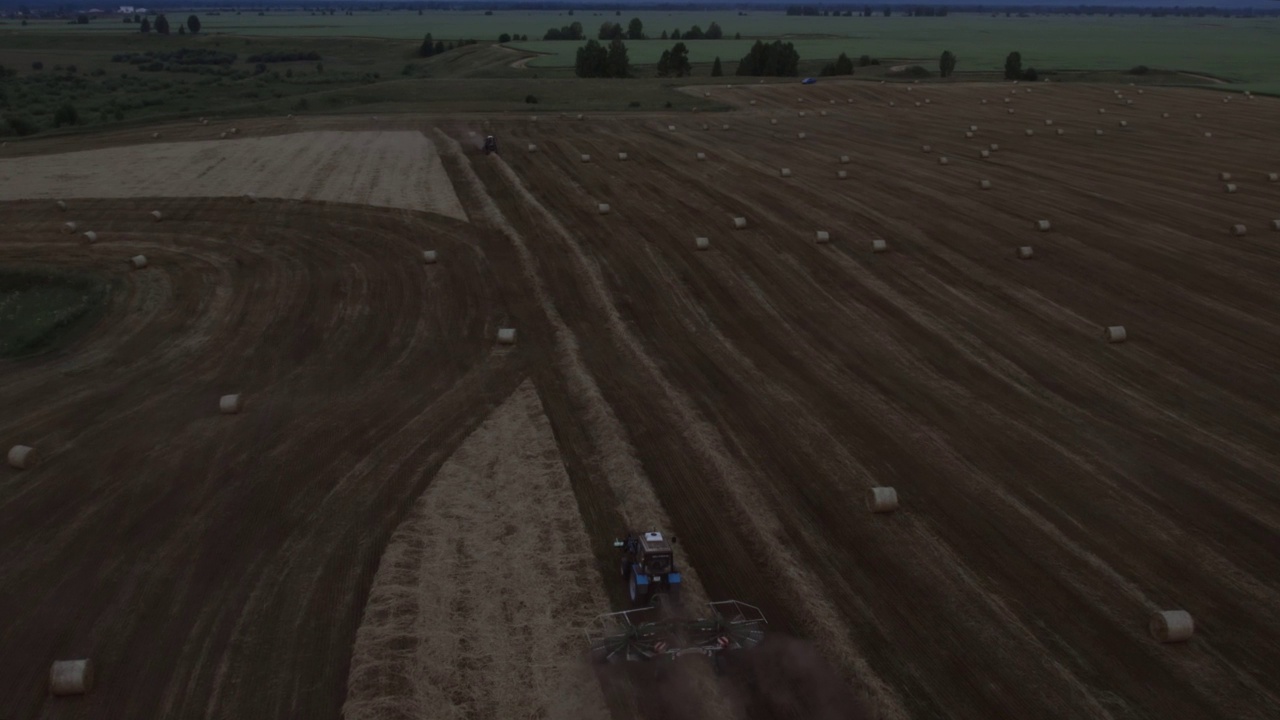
(809, 81)
(490, 144)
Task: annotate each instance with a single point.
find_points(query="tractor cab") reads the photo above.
(490, 144)
(648, 566)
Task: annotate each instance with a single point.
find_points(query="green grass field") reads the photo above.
(40, 310)
(370, 62)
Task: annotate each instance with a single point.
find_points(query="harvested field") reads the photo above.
(396, 169)
(1055, 490)
(478, 606)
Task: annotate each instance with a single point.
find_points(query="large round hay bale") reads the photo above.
(994, 147)
(985, 184)
(1275, 225)
(61, 205)
(1124, 123)
(968, 135)
(1239, 230)
(800, 136)
(882, 499)
(1042, 225)
(1098, 131)
(1208, 134)
(1026, 252)
(1029, 132)
(984, 153)
(91, 237)
(822, 236)
(230, 404)
(842, 175)
(702, 243)
(1060, 131)
(1010, 111)
(138, 261)
(157, 215)
(844, 159)
(68, 228)
(973, 128)
(506, 336)
(1164, 115)
(23, 457)
(622, 156)
(1048, 123)
(250, 197)
(1114, 334)
(1102, 111)
(1169, 626)
(71, 677)
(926, 148)
(739, 223)
(1231, 187)
(429, 257)
(603, 208)
(943, 160)
(586, 158)
(800, 114)
(533, 148)
(701, 156)
(1273, 177)
(879, 246)
(1224, 176)
(785, 172)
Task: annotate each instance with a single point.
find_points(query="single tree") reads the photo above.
(182, 29)
(695, 33)
(591, 60)
(146, 25)
(193, 24)
(162, 25)
(504, 38)
(428, 48)
(617, 65)
(947, 63)
(635, 29)
(714, 32)
(716, 70)
(664, 35)
(844, 65)
(1013, 66)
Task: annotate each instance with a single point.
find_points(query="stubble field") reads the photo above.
(1056, 489)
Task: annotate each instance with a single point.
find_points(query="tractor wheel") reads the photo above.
(635, 591)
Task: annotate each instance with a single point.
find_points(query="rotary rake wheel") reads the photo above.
(619, 637)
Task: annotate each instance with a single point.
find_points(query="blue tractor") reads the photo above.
(648, 565)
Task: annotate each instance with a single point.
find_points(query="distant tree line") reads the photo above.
(279, 57)
(431, 47)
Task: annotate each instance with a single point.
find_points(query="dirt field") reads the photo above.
(1056, 489)
(383, 169)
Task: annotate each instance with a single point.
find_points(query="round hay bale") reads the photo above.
(908, 88)
(586, 158)
(233, 131)
(68, 228)
(1102, 111)
(984, 101)
(1114, 334)
(832, 102)
(927, 101)
(823, 113)
(71, 677)
(250, 197)
(671, 128)
(1199, 115)
(973, 128)
(506, 336)
(701, 156)
(138, 261)
(753, 102)
(1231, 187)
(533, 148)
(968, 135)
(1169, 626)
(1129, 101)
(1124, 123)
(801, 113)
(984, 153)
(222, 135)
(1097, 132)
(1208, 134)
(1029, 132)
(724, 127)
(822, 236)
(1239, 230)
(994, 147)
(622, 156)
(1048, 123)
(1273, 177)
(844, 160)
(429, 257)
(739, 223)
(926, 148)
(800, 136)
(230, 404)
(1042, 225)
(893, 104)
(1139, 92)
(157, 215)
(61, 205)
(603, 208)
(917, 104)
(879, 246)
(702, 243)
(203, 121)
(984, 184)
(91, 237)
(842, 175)
(533, 118)
(882, 499)
(773, 121)
(1010, 111)
(23, 457)
(1164, 115)
(1226, 99)
(706, 126)
(1007, 101)
(785, 172)
(1275, 225)
(1060, 131)
(1025, 252)
(155, 135)
(1224, 176)
(943, 161)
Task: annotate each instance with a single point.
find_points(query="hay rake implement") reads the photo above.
(636, 635)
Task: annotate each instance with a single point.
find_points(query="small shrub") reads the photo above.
(1139, 70)
(19, 125)
(531, 99)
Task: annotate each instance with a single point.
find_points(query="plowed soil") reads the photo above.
(1055, 489)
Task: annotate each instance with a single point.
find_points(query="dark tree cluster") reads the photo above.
(843, 65)
(596, 61)
(568, 32)
(777, 59)
(675, 62)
